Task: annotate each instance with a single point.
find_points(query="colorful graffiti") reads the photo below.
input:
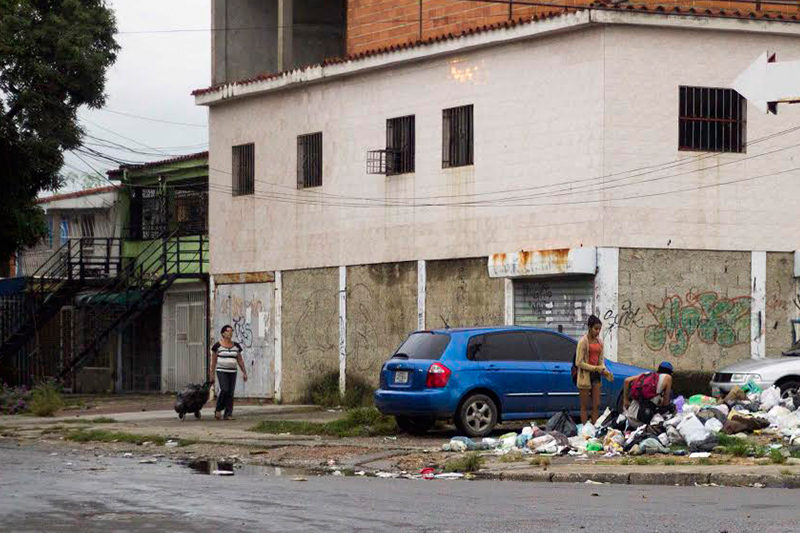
(714, 320)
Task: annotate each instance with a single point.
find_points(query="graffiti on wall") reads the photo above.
(314, 341)
(706, 316)
(242, 312)
(625, 318)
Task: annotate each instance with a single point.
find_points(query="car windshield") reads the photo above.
(423, 346)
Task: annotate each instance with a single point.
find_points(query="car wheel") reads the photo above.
(477, 416)
(414, 425)
(789, 389)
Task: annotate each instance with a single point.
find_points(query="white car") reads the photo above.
(782, 371)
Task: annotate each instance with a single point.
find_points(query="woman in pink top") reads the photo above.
(591, 369)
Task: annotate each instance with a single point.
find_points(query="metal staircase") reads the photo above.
(77, 264)
(140, 284)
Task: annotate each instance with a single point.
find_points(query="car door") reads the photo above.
(512, 369)
(556, 353)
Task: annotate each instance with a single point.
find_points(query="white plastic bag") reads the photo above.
(674, 436)
(692, 430)
(603, 417)
(770, 398)
(722, 408)
(713, 425)
(691, 409)
(664, 440)
(587, 431)
(579, 443)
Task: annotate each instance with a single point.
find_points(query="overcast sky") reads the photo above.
(157, 68)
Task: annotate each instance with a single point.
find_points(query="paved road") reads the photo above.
(40, 492)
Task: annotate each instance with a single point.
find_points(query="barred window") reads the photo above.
(457, 137)
(400, 145)
(309, 160)
(244, 176)
(712, 120)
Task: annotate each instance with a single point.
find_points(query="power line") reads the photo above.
(151, 119)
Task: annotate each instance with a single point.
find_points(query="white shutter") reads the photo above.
(551, 303)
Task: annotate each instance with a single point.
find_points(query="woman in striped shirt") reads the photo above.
(225, 356)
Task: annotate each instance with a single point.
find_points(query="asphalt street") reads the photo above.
(76, 491)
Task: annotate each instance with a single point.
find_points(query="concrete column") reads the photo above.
(342, 328)
(421, 291)
(278, 350)
(285, 34)
(606, 298)
(509, 301)
(758, 306)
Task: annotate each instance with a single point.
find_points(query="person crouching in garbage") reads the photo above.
(591, 368)
(646, 394)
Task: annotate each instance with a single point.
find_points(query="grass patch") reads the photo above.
(98, 420)
(101, 435)
(776, 456)
(512, 457)
(361, 422)
(324, 391)
(737, 447)
(470, 462)
(52, 430)
(704, 461)
(46, 399)
(626, 462)
(540, 461)
(642, 461)
(786, 472)
(669, 462)
(795, 454)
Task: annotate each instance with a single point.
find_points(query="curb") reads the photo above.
(641, 478)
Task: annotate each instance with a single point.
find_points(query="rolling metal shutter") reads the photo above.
(552, 302)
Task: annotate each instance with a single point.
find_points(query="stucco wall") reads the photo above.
(689, 307)
(381, 312)
(310, 328)
(783, 302)
(462, 292)
(551, 114)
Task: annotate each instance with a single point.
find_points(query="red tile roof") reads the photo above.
(178, 159)
(77, 194)
(654, 9)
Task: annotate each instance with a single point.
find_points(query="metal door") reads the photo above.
(559, 304)
(184, 353)
(248, 309)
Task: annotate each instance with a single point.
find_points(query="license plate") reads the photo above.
(401, 376)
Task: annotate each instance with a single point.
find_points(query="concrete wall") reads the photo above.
(783, 302)
(310, 328)
(381, 312)
(246, 40)
(318, 32)
(462, 292)
(593, 102)
(689, 307)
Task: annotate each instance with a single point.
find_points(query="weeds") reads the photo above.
(46, 399)
(642, 461)
(324, 391)
(102, 435)
(669, 462)
(512, 457)
(99, 420)
(470, 462)
(704, 461)
(361, 422)
(626, 461)
(776, 456)
(786, 472)
(540, 461)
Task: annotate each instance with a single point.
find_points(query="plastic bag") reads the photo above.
(562, 423)
(678, 402)
(674, 436)
(751, 387)
(770, 398)
(594, 446)
(702, 400)
(588, 431)
(605, 419)
(692, 430)
(523, 439)
(713, 425)
(663, 439)
(579, 443)
(652, 445)
(542, 441)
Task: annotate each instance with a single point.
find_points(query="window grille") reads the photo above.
(400, 145)
(309, 160)
(457, 137)
(243, 173)
(711, 120)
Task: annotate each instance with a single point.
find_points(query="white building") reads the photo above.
(606, 144)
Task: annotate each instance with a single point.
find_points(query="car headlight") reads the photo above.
(742, 378)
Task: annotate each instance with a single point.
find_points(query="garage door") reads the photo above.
(554, 303)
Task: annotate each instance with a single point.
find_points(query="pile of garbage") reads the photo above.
(692, 426)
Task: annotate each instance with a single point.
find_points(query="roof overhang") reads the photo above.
(476, 40)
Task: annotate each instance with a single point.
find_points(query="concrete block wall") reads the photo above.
(381, 312)
(310, 328)
(461, 291)
(691, 307)
(783, 302)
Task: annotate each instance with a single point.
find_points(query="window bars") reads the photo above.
(309, 160)
(243, 173)
(457, 136)
(711, 120)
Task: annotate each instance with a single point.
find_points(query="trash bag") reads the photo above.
(588, 431)
(713, 425)
(613, 441)
(192, 398)
(523, 439)
(561, 439)
(705, 445)
(675, 436)
(692, 430)
(736, 394)
(678, 403)
(770, 398)
(664, 439)
(750, 386)
(594, 447)
(541, 441)
(651, 446)
(562, 423)
(605, 419)
(702, 400)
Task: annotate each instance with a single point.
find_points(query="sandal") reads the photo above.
(217, 415)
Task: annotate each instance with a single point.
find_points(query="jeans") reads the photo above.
(227, 384)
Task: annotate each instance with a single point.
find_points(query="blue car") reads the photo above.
(478, 377)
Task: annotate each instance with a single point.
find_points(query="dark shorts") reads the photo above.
(595, 377)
